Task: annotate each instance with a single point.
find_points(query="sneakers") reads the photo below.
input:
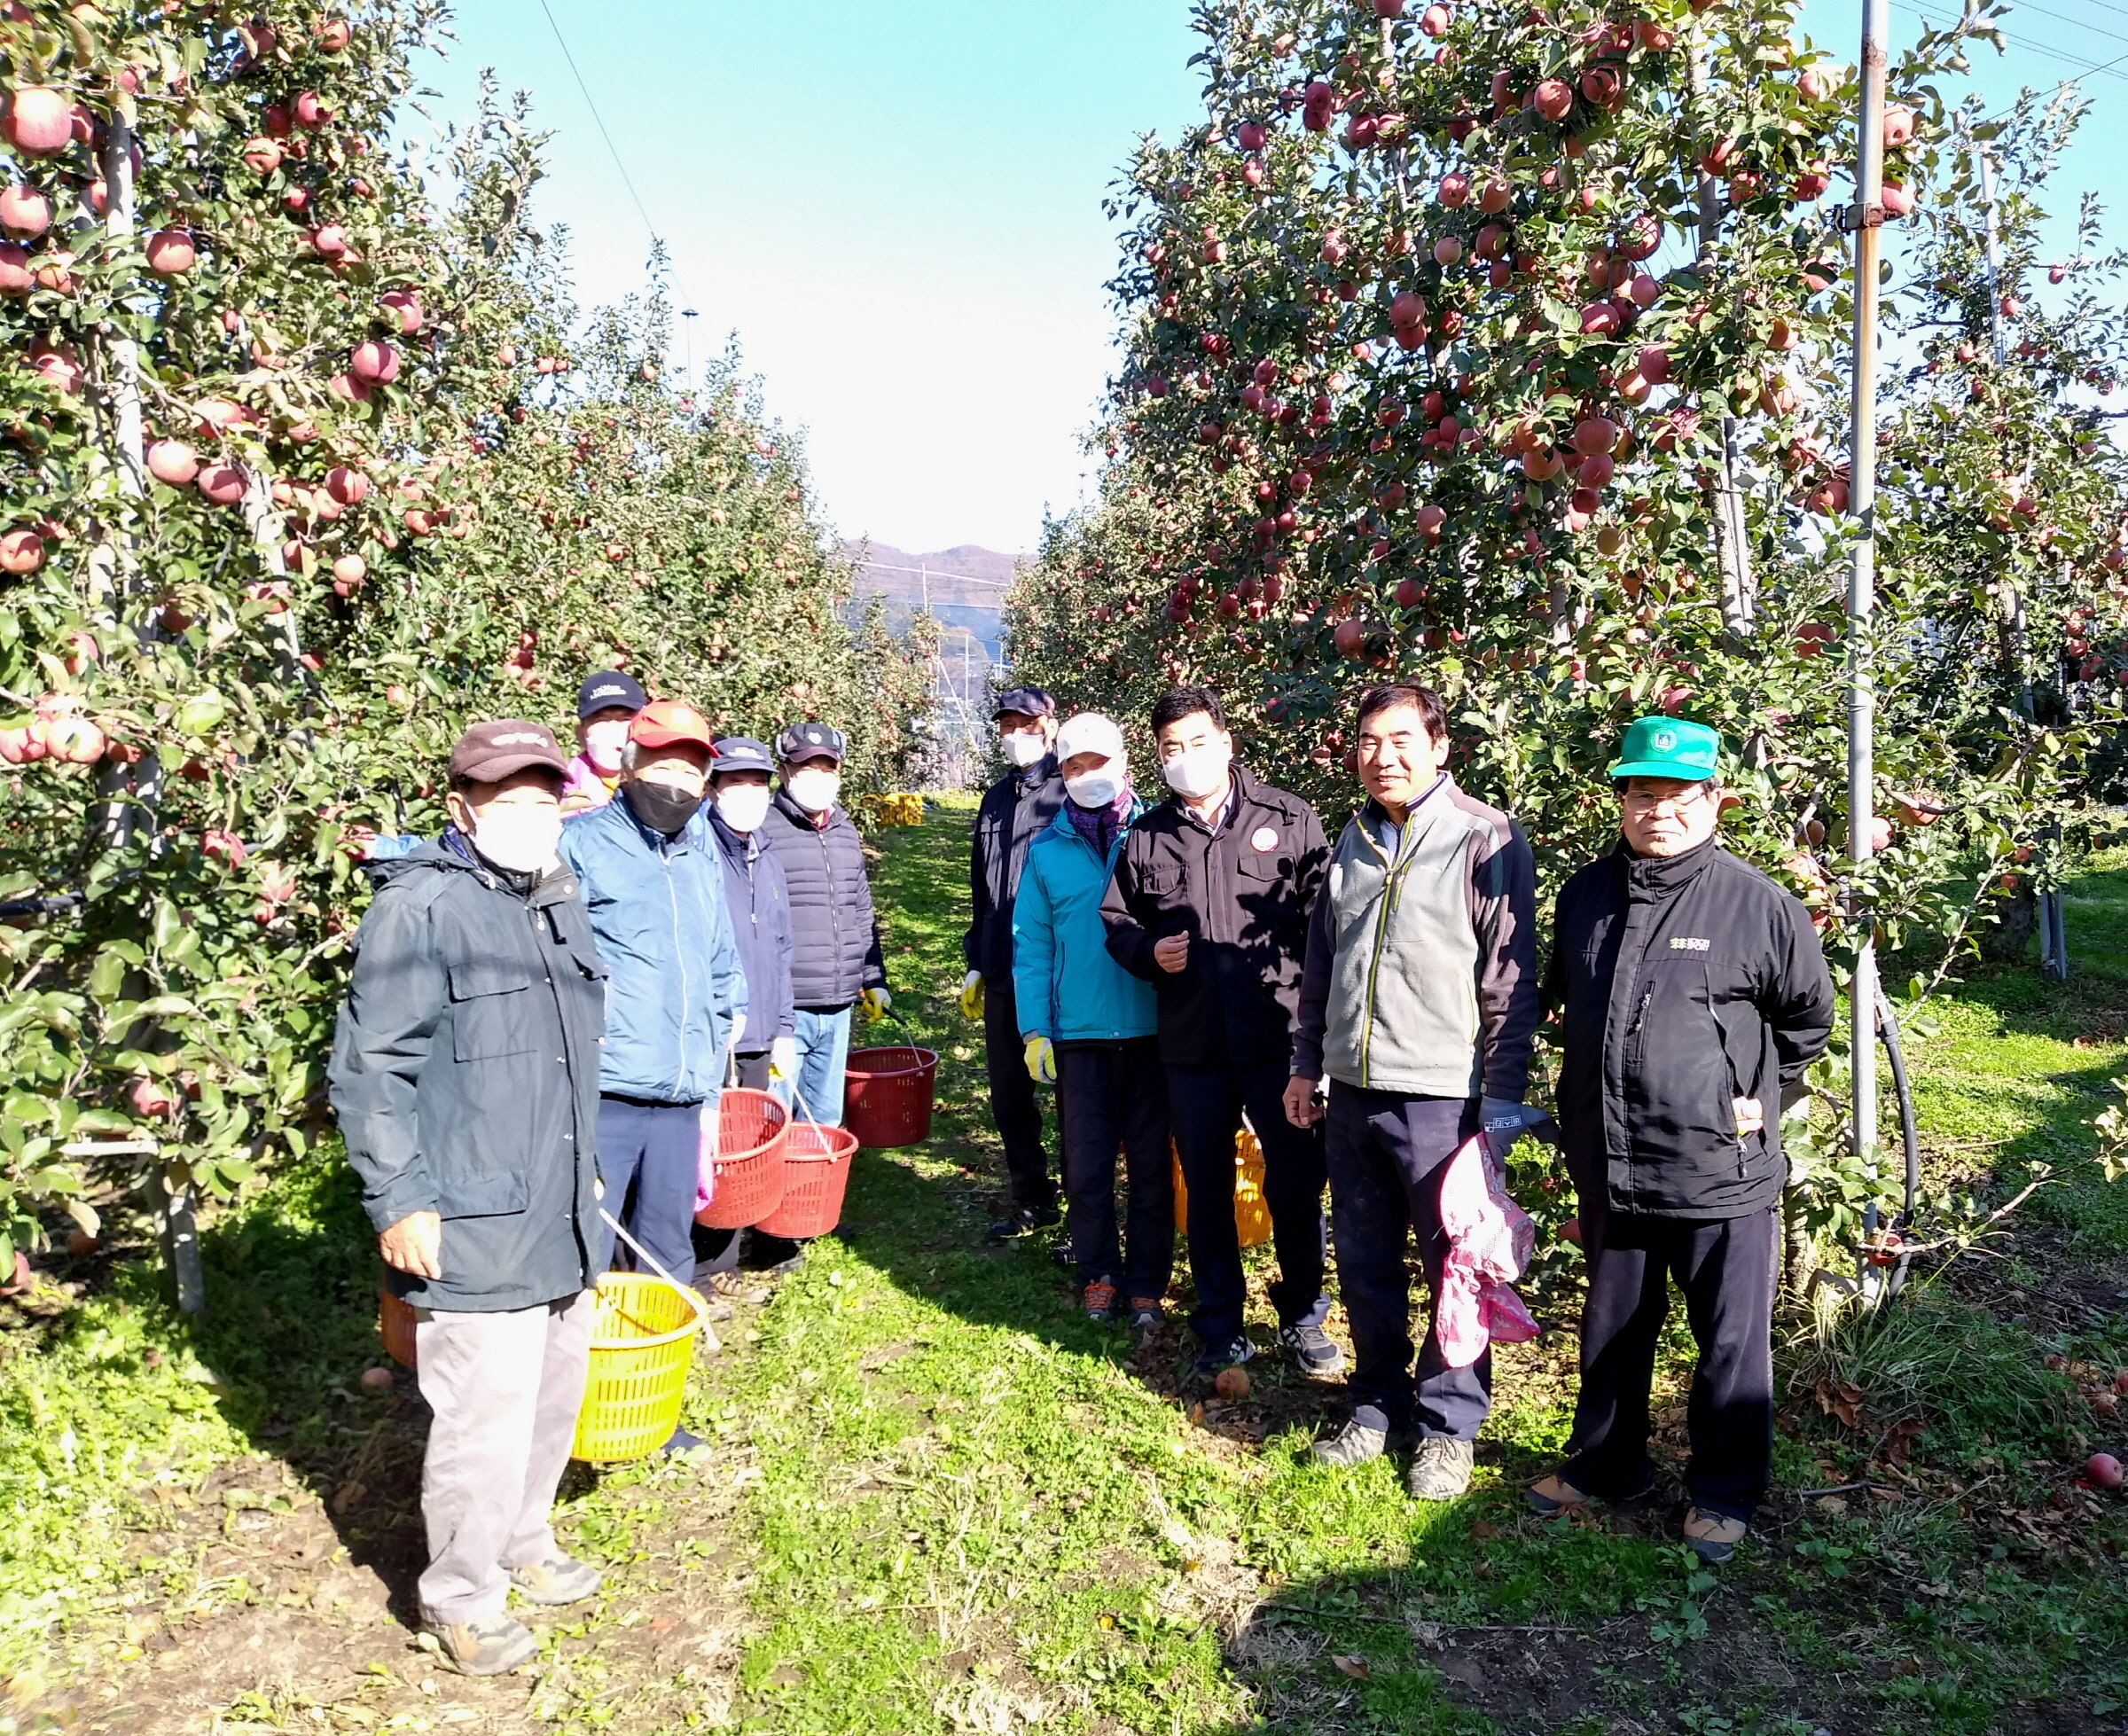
(1099, 1299)
(1312, 1351)
(561, 1580)
(1024, 1221)
(739, 1288)
(1713, 1536)
(1440, 1469)
(682, 1445)
(493, 1647)
(1147, 1313)
(1217, 1357)
(1353, 1444)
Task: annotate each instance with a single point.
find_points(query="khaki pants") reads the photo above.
(505, 1389)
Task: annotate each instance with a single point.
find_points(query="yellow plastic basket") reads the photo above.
(641, 1345)
(1252, 1216)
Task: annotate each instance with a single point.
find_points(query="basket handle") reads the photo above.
(687, 1292)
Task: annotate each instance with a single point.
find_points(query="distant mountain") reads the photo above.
(964, 588)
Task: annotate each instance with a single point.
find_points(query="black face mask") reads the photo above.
(659, 806)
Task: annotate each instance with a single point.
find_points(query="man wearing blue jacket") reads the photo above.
(1090, 1027)
(677, 996)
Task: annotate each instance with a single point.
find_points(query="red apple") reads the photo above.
(36, 121)
(310, 111)
(349, 487)
(2104, 1470)
(173, 462)
(1434, 21)
(74, 740)
(1232, 1384)
(1570, 1231)
(404, 305)
(25, 212)
(149, 1099)
(374, 362)
(375, 1380)
(170, 253)
(1552, 98)
(223, 484)
(21, 551)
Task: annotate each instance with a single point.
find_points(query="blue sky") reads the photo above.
(896, 205)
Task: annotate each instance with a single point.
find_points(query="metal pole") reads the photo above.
(1994, 235)
(1866, 218)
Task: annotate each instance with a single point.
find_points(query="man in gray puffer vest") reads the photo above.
(1419, 1000)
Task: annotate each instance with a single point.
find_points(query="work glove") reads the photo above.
(739, 1029)
(1041, 1061)
(875, 1003)
(970, 995)
(783, 1058)
(1506, 1121)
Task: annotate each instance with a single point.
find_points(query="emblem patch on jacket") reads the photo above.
(1263, 839)
(1683, 944)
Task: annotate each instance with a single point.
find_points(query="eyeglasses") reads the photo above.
(1643, 801)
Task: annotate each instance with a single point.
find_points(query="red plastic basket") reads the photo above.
(748, 1163)
(395, 1321)
(816, 1172)
(886, 1095)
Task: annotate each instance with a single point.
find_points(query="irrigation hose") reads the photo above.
(1888, 1028)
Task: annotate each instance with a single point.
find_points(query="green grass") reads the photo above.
(946, 1503)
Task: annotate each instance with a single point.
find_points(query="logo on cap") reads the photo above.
(1666, 741)
(521, 739)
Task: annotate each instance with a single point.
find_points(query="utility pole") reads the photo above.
(1866, 219)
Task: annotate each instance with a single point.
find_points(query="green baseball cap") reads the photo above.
(1669, 747)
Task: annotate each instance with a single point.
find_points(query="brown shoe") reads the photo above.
(737, 1286)
(493, 1647)
(1713, 1536)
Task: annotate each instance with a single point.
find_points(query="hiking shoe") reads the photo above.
(1099, 1299)
(564, 1579)
(1713, 1536)
(493, 1647)
(1353, 1444)
(1216, 1356)
(1312, 1351)
(1147, 1313)
(739, 1288)
(1024, 1221)
(1440, 1469)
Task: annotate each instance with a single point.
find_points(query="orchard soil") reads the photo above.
(937, 1499)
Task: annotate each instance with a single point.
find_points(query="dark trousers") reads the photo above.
(1388, 1153)
(1111, 1095)
(717, 1251)
(1727, 1270)
(1206, 1104)
(1013, 1106)
(650, 1159)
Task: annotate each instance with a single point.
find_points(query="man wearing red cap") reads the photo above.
(676, 995)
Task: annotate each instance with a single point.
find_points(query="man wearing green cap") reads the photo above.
(1694, 993)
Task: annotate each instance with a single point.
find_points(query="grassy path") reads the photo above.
(940, 1501)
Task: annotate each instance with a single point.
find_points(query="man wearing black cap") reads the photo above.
(607, 704)
(835, 959)
(1016, 811)
(464, 1074)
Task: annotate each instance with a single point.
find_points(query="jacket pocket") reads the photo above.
(1679, 1086)
(490, 1012)
(483, 1196)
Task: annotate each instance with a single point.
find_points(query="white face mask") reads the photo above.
(603, 743)
(1025, 747)
(743, 807)
(1094, 789)
(813, 790)
(518, 836)
(1199, 773)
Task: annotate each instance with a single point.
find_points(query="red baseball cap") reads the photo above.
(666, 723)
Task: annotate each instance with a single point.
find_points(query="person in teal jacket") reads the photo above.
(677, 994)
(1089, 1027)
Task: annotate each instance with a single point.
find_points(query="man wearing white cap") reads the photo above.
(1090, 1027)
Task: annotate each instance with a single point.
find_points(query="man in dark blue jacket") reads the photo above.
(677, 999)
(759, 899)
(464, 1074)
(1016, 811)
(836, 964)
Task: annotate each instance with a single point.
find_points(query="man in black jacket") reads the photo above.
(1694, 995)
(464, 1072)
(1211, 904)
(836, 963)
(1016, 811)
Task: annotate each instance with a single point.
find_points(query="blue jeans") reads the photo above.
(823, 1047)
(653, 1152)
(1206, 1104)
(1388, 1152)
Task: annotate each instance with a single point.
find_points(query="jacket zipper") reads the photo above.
(679, 951)
(1381, 935)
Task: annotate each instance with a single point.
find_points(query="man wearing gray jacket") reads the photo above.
(464, 1072)
(1419, 1000)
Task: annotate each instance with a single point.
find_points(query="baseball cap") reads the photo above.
(489, 752)
(1669, 747)
(742, 752)
(610, 687)
(1089, 732)
(1034, 701)
(665, 723)
(806, 740)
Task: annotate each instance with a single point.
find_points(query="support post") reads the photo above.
(1867, 217)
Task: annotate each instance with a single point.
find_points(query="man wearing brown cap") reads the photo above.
(464, 1072)
(677, 1001)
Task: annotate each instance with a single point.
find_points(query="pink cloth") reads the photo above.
(1490, 1238)
(584, 784)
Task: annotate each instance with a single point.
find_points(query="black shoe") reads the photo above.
(1312, 1350)
(1025, 1221)
(681, 1443)
(1216, 1356)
